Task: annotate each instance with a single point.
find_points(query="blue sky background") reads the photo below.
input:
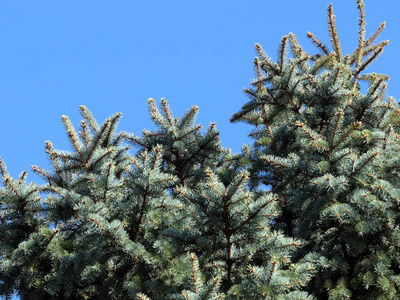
(113, 55)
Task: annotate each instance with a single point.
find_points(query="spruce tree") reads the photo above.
(309, 211)
(174, 221)
(329, 151)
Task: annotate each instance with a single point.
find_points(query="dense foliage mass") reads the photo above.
(310, 211)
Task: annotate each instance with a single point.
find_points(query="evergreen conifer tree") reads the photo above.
(329, 151)
(310, 211)
(175, 221)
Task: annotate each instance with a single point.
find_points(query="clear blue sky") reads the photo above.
(113, 55)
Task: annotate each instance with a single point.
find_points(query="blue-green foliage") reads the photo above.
(309, 211)
(175, 220)
(329, 151)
